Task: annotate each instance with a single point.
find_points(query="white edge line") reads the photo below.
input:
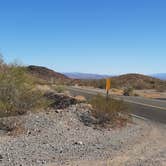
(129, 101)
(139, 117)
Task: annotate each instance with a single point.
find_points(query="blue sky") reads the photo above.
(94, 36)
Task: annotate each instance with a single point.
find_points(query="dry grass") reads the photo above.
(59, 88)
(109, 111)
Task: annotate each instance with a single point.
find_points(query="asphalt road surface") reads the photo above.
(146, 108)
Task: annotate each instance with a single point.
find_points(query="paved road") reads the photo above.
(147, 108)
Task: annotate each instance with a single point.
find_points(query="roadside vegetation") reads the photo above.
(59, 88)
(17, 91)
(129, 91)
(109, 111)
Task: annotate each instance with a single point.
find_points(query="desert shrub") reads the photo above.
(108, 111)
(128, 91)
(59, 88)
(136, 94)
(17, 91)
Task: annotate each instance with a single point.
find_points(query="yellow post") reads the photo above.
(108, 86)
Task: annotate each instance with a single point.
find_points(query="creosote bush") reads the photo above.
(17, 91)
(109, 111)
(59, 88)
(128, 91)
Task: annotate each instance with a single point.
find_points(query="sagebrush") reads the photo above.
(129, 91)
(17, 91)
(109, 110)
(59, 88)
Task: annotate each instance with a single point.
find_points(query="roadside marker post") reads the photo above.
(108, 86)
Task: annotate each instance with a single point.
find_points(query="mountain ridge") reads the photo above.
(78, 75)
(161, 76)
(137, 81)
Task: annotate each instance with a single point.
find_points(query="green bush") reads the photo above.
(17, 91)
(59, 88)
(108, 111)
(128, 91)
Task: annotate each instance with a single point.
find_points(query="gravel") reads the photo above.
(60, 137)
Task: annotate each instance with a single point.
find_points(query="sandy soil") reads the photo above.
(151, 94)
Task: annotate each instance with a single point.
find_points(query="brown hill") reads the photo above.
(46, 74)
(138, 81)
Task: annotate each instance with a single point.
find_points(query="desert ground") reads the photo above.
(62, 138)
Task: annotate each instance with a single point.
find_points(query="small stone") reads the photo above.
(78, 143)
(1, 157)
(38, 130)
(58, 111)
(43, 162)
(28, 132)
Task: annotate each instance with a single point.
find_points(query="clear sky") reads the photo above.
(94, 36)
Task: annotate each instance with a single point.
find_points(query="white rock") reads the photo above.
(79, 143)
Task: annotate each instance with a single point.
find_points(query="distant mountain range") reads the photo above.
(76, 75)
(161, 76)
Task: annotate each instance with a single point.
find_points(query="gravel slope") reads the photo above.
(54, 139)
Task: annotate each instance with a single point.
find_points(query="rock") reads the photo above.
(1, 157)
(89, 106)
(37, 130)
(29, 132)
(60, 101)
(87, 118)
(78, 143)
(58, 111)
(61, 151)
(80, 98)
